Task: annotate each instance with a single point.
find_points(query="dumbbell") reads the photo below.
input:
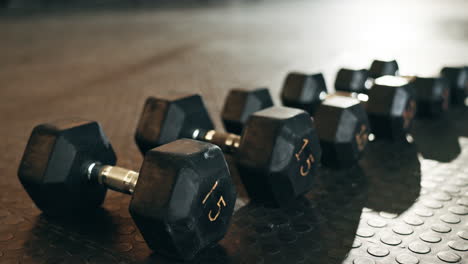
(430, 93)
(360, 81)
(381, 68)
(390, 101)
(457, 78)
(277, 154)
(341, 122)
(182, 198)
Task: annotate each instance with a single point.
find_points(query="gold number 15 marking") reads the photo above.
(220, 203)
(309, 161)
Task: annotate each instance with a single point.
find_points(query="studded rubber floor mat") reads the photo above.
(404, 203)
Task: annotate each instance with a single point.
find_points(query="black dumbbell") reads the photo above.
(457, 78)
(353, 81)
(182, 199)
(360, 81)
(429, 93)
(277, 153)
(241, 105)
(341, 122)
(381, 68)
(390, 101)
(432, 95)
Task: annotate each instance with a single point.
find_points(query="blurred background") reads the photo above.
(100, 59)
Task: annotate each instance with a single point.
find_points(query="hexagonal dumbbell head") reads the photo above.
(240, 104)
(391, 107)
(380, 68)
(304, 91)
(279, 149)
(184, 198)
(343, 129)
(166, 119)
(458, 81)
(52, 170)
(432, 95)
(268, 173)
(353, 81)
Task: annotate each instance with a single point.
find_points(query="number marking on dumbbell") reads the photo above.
(361, 138)
(220, 203)
(310, 159)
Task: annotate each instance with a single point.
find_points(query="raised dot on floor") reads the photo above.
(390, 239)
(294, 212)
(375, 222)
(413, 220)
(458, 210)
(433, 204)
(263, 228)
(448, 256)
(287, 236)
(458, 245)
(403, 230)
(377, 251)
(388, 215)
(428, 184)
(363, 260)
(302, 227)
(365, 232)
(356, 243)
(439, 228)
(407, 259)
(419, 248)
(278, 220)
(450, 219)
(463, 201)
(463, 234)
(271, 248)
(451, 189)
(441, 196)
(423, 212)
(430, 237)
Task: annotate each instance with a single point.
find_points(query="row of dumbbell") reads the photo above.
(183, 196)
(373, 100)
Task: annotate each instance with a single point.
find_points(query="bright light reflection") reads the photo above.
(363, 97)
(391, 81)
